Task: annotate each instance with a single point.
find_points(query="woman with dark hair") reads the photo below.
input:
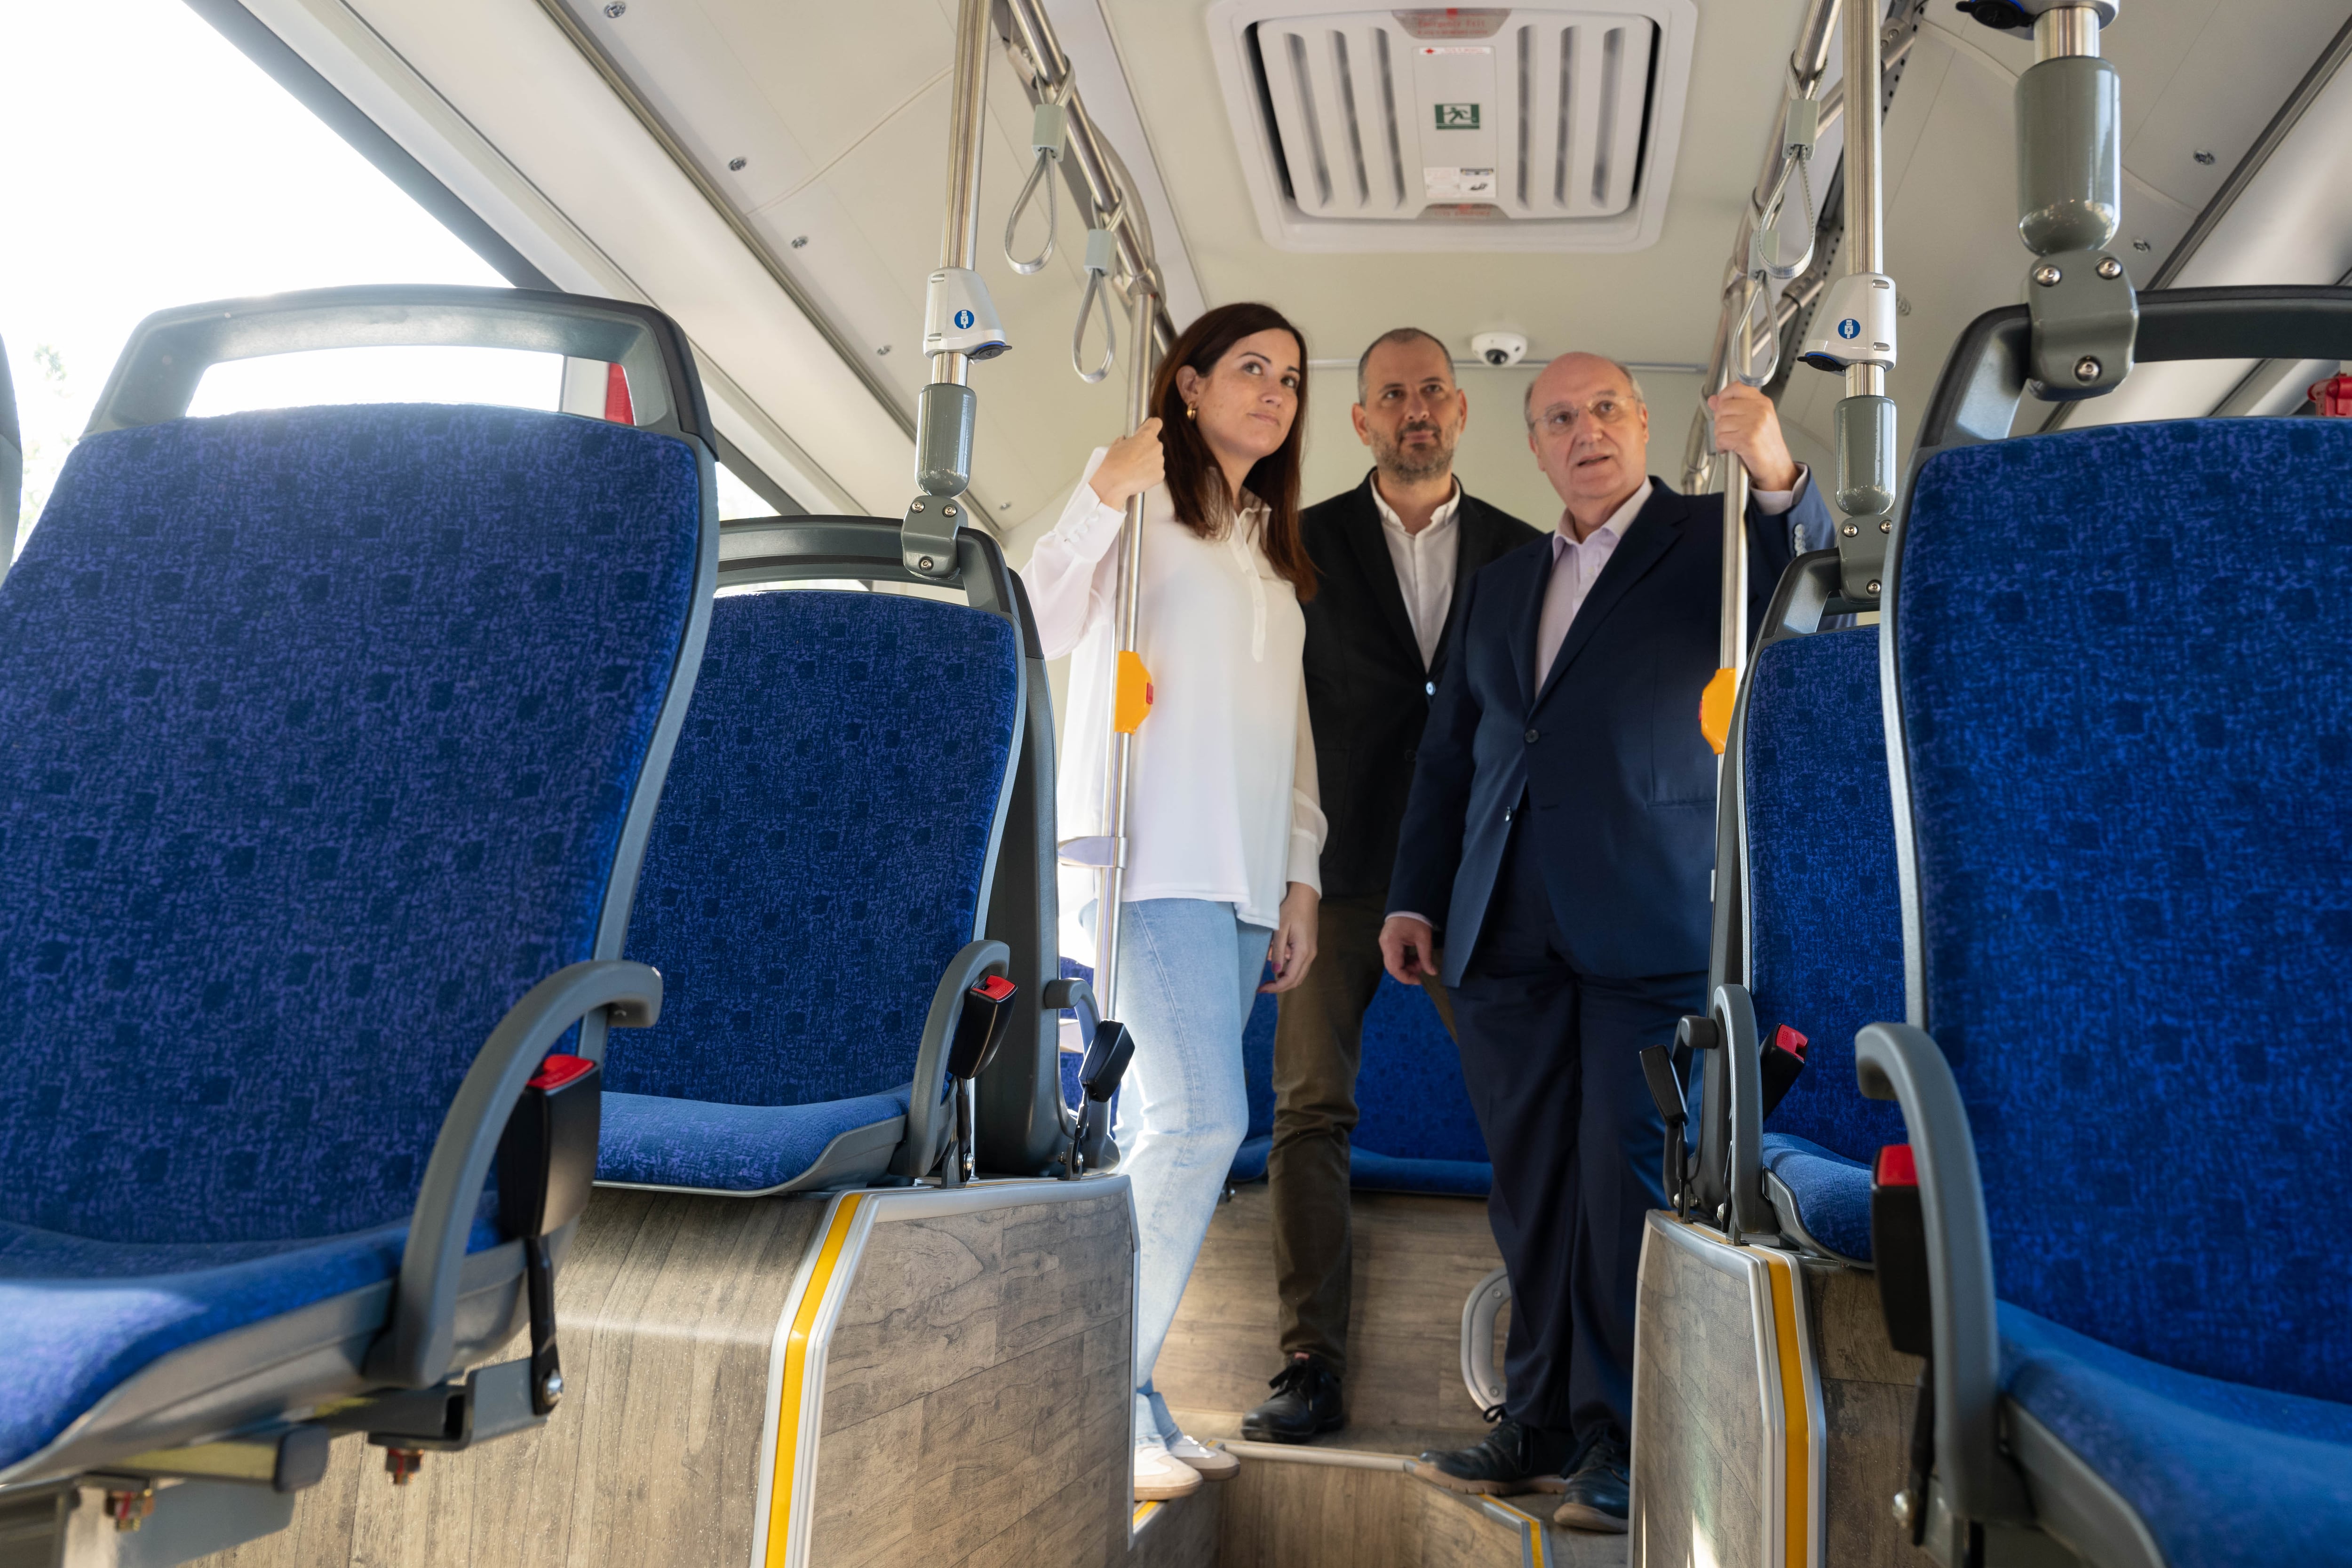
(1225, 826)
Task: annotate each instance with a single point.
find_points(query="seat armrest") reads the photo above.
(1737, 1115)
(1897, 1062)
(415, 1349)
(929, 1114)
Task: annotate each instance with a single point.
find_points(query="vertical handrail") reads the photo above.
(1143, 303)
(960, 239)
(1865, 241)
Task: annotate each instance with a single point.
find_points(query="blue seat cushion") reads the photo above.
(2211, 1467)
(658, 1141)
(81, 1316)
(1832, 1193)
(1369, 1171)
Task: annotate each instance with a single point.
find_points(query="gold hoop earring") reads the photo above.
(1193, 412)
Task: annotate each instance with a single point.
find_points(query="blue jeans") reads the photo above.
(1187, 971)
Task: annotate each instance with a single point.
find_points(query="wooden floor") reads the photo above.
(1416, 1260)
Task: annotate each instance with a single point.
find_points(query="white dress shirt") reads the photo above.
(1224, 805)
(1424, 566)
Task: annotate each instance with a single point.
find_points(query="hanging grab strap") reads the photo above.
(1099, 257)
(1048, 134)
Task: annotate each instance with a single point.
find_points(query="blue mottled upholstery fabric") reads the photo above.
(85, 1320)
(2175, 1444)
(2122, 657)
(1825, 952)
(1415, 1132)
(656, 1141)
(1832, 1193)
(816, 863)
(318, 730)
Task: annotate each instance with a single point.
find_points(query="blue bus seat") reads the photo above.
(2130, 861)
(1414, 1133)
(821, 857)
(329, 735)
(1824, 918)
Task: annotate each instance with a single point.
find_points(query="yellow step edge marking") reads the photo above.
(1797, 1412)
(1143, 1510)
(1531, 1533)
(788, 1404)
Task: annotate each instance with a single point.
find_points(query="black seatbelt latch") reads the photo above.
(1898, 1253)
(547, 1168)
(1673, 1107)
(1099, 1074)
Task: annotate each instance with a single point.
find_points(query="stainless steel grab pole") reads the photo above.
(967, 111)
(1142, 303)
(1865, 239)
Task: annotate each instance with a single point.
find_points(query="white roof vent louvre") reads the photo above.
(1542, 127)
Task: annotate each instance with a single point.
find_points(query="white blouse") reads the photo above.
(1224, 805)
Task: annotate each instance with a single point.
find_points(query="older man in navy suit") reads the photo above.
(1559, 838)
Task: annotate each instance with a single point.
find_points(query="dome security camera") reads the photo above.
(1499, 349)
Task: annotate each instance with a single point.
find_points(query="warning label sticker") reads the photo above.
(1456, 185)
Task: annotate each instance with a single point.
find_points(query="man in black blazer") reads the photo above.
(1392, 559)
(1558, 843)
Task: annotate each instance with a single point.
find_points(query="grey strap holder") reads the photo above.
(2069, 204)
(1101, 255)
(944, 416)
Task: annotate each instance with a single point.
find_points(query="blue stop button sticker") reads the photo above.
(963, 320)
(1849, 328)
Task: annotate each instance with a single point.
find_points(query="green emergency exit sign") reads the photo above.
(1457, 116)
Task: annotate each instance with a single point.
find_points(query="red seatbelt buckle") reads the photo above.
(1898, 1251)
(2332, 398)
(547, 1157)
(987, 1017)
(1782, 1058)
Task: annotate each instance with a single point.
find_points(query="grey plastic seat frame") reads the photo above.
(1999, 1474)
(1021, 1126)
(12, 458)
(445, 1309)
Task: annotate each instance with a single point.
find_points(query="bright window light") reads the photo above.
(381, 375)
(194, 176)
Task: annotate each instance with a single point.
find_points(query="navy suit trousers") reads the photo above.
(1551, 1060)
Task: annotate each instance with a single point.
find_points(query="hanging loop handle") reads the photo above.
(1739, 349)
(1049, 132)
(1101, 256)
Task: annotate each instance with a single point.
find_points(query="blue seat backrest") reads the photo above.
(1410, 1099)
(1825, 942)
(318, 729)
(822, 844)
(2122, 659)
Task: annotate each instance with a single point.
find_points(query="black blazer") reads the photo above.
(1606, 762)
(1367, 693)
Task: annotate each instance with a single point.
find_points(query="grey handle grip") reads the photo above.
(168, 354)
(1978, 392)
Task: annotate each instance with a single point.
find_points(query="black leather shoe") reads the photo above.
(1512, 1458)
(1306, 1404)
(1596, 1493)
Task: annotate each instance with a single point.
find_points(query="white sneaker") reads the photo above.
(1214, 1464)
(1159, 1476)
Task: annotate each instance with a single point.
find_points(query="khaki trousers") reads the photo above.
(1319, 1043)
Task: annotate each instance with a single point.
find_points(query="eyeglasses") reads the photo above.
(1608, 409)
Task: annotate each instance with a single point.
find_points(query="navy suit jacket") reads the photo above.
(1605, 764)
